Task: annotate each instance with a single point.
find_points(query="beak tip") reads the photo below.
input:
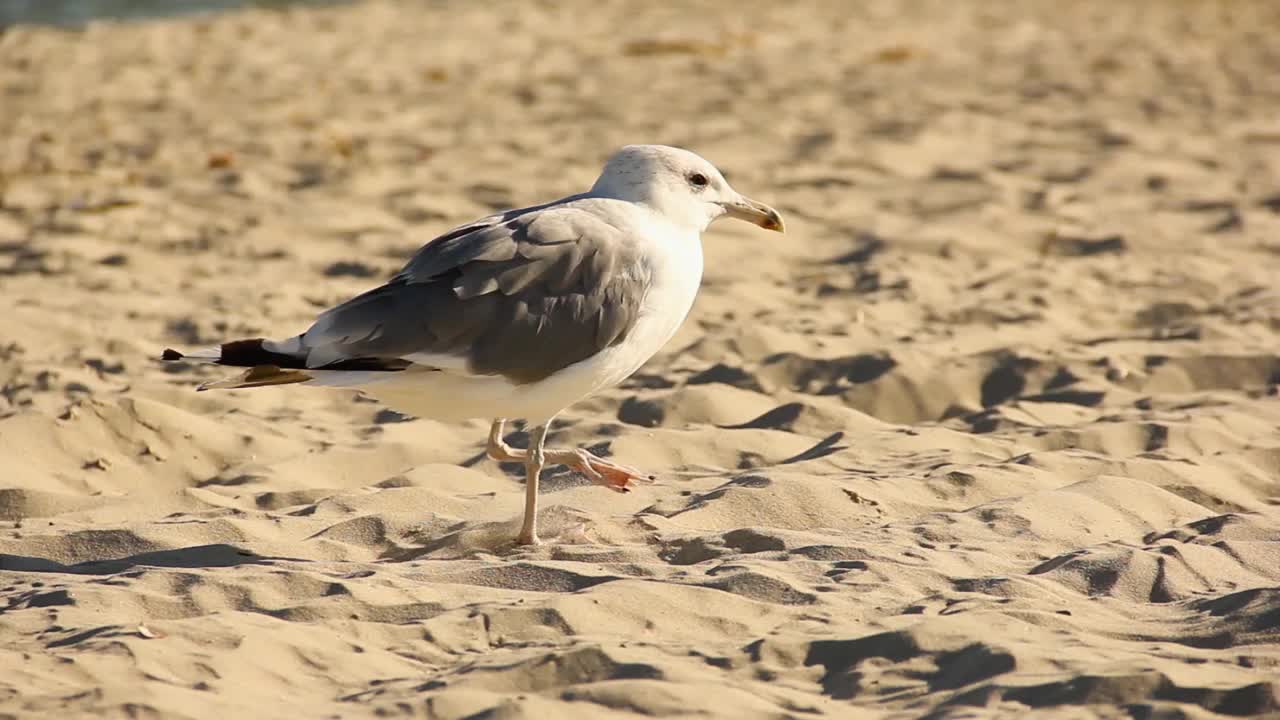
(773, 221)
(756, 213)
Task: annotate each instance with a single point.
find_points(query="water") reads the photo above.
(73, 13)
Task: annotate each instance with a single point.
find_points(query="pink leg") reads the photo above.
(597, 470)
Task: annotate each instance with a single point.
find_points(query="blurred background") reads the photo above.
(74, 13)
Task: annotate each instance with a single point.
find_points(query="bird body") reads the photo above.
(460, 396)
(674, 272)
(522, 313)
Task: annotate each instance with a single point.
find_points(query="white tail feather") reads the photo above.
(209, 354)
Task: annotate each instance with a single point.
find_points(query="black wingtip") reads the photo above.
(170, 354)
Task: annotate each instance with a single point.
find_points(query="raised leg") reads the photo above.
(534, 460)
(498, 448)
(598, 470)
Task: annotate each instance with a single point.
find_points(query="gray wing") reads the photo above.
(519, 295)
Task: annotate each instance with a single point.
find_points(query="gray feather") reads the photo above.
(520, 295)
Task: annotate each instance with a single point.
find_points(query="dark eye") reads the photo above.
(698, 180)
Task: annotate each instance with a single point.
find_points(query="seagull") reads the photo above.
(522, 313)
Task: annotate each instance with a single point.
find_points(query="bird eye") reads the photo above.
(698, 180)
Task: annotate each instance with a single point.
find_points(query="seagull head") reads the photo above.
(680, 185)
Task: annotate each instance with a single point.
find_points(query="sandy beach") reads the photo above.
(992, 431)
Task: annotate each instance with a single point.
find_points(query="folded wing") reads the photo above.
(521, 295)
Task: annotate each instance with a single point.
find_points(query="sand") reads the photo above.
(991, 430)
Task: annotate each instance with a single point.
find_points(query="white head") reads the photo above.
(680, 185)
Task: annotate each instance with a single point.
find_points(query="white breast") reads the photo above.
(677, 273)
